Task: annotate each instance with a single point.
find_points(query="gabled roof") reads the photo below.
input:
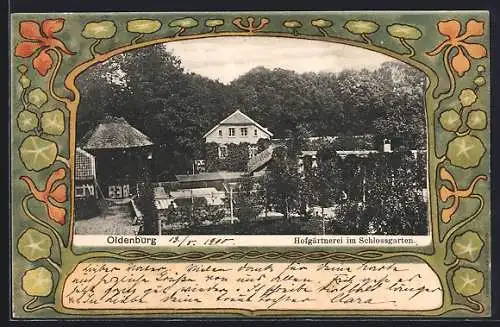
(114, 133)
(238, 118)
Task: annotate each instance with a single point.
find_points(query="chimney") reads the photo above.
(387, 145)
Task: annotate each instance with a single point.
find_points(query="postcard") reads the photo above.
(250, 164)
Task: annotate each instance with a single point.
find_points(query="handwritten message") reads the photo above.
(253, 286)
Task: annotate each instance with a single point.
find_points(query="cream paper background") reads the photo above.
(253, 286)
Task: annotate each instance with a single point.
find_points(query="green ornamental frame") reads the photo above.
(49, 51)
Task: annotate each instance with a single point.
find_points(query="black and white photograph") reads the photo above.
(251, 136)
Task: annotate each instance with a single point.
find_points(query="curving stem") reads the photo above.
(23, 99)
(53, 75)
(54, 265)
(480, 307)
(320, 29)
(366, 38)
(451, 77)
(466, 132)
(407, 46)
(92, 47)
(63, 160)
(28, 213)
(137, 38)
(464, 222)
(28, 308)
(179, 32)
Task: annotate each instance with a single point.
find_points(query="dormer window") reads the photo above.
(232, 131)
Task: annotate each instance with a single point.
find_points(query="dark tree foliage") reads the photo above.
(282, 182)
(146, 203)
(151, 90)
(249, 200)
(236, 160)
(393, 205)
(330, 181)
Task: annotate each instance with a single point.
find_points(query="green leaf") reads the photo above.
(34, 245)
(37, 97)
(105, 29)
(323, 23)
(186, 22)
(467, 97)
(53, 122)
(143, 26)
(480, 81)
(27, 121)
(22, 69)
(467, 246)
(361, 26)
(292, 23)
(477, 119)
(402, 31)
(465, 151)
(450, 120)
(37, 153)
(468, 281)
(214, 22)
(24, 81)
(37, 282)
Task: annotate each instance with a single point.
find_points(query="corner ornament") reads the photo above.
(451, 29)
(39, 38)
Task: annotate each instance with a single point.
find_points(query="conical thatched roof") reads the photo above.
(114, 133)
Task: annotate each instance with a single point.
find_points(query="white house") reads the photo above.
(237, 128)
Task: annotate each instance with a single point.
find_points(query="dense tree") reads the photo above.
(282, 181)
(249, 200)
(146, 203)
(330, 180)
(393, 203)
(151, 90)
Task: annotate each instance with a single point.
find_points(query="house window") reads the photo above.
(244, 131)
(231, 132)
(255, 132)
(252, 151)
(84, 190)
(115, 191)
(80, 191)
(220, 132)
(222, 151)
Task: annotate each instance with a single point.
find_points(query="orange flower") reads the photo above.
(51, 196)
(41, 40)
(451, 29)
(251, 25)
(445, 193)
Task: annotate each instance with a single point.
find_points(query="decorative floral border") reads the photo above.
(457, 118)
